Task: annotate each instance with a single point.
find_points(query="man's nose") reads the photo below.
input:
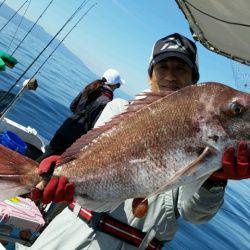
(170, 76)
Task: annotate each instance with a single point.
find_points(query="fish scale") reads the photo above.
(154, 147)
(162, 133)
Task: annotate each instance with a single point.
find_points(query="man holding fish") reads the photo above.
(154, 198)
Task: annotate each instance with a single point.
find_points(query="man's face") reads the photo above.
(172, 74)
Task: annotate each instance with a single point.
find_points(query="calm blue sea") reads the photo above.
(45, 109)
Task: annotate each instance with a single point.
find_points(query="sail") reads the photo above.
(221, 26)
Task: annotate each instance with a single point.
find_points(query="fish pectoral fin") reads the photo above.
(188, 169)
(200, 158)
(97, 206)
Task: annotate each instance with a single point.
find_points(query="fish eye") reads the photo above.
(236, 108)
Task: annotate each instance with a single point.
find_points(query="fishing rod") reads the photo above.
(38, 56)
(13, 15)
(17, 29)
(29, 82)
(2, 3)
(32, 27)
(79, 20)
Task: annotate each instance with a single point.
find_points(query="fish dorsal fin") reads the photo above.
(145, 98)
(141, 100)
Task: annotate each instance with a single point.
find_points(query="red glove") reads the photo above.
(234, 166)
(58, 189)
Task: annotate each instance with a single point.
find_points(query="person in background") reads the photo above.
(86, 108)
(173, 65)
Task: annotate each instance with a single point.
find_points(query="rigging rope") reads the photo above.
(38, 56)
(233, 71)
(14, 36)
(28, 32)
(241, 75)
(13, 15)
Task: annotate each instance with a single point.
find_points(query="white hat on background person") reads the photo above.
(113, 77)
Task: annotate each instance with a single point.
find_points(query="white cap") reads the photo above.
(113, 77)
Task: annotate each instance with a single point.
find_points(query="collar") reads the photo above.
(106, 91)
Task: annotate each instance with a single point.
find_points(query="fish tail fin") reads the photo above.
(15, 173)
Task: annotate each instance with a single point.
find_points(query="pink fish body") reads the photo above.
(154, 146)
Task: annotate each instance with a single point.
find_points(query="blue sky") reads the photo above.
(120, 34)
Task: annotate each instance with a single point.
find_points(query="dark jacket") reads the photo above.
(85, 114)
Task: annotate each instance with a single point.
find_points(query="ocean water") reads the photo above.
(59, 81)
(229, 229)
(45, 109)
